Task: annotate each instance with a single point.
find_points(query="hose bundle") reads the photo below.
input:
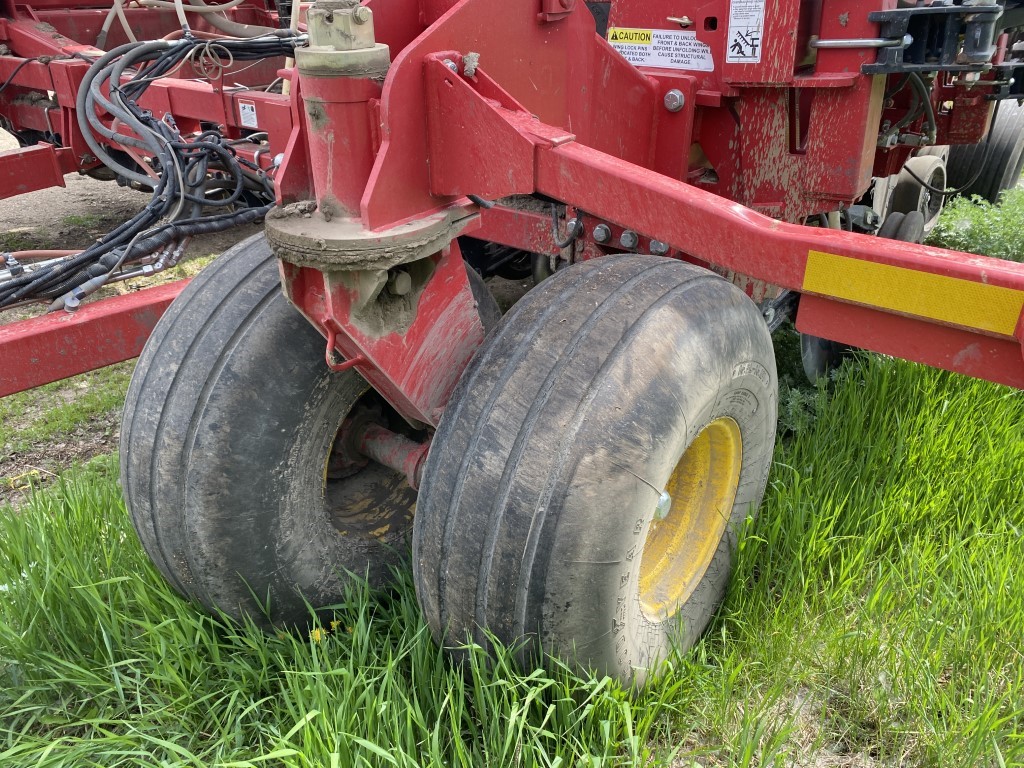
(199, 183)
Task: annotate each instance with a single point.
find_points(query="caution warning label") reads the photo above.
(631, 36)
(664, 48)
(746, 28)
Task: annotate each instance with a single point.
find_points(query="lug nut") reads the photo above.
(675, 100)
(629, 239)
(659, 248)
(602, 233)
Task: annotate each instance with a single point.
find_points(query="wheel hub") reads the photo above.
(691, 518)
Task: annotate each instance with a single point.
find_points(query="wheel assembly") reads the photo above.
(993, 166)
(585, 487)
(911, 195)
(236, 453)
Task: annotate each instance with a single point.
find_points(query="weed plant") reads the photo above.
(975, 225)
(876, 618)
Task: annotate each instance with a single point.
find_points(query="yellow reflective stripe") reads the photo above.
(923, 294)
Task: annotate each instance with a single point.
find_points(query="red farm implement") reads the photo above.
(679, 177)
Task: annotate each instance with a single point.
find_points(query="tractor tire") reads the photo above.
(912, 229)
(819, 356)
(910, 195)
(230, 419)
(891, 226)
(542, 515)
(997, 164)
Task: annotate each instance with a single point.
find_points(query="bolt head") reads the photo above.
(629, 239)
(675, 100)
(659, 248)
(602, 233)
(399, 283)
(361, 14)
(451, 65)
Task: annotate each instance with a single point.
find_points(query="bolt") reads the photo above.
(769, 315)
(659, 248)
(629, 239)
(664, 506)
(399, 283)
(571, 224)
(674, 100)
(361, 14)
(602, 233)
(451, 65)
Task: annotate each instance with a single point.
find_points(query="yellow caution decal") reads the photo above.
(945, 299)
(625, 36)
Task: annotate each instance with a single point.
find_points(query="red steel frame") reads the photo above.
(554, 110)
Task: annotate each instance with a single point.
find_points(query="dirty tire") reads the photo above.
(911, 228)
(229, 420)
(910, 195)
(891, 226)
(543, 481)
(819, 356)
(999, 165)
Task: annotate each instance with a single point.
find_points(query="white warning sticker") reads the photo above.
(247, 114)
(665, 48)
(746, 29)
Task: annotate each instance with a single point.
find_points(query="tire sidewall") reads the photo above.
(659, 418)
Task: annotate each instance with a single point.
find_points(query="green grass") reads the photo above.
(16, 241)
(86, 221)
(42, 414)
(876, 616)
(977, 226)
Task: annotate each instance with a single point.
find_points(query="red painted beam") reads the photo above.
(951, 349)
(55, 346)
(29, 168)
(524, 229)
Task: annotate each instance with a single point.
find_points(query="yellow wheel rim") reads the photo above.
(683, 539)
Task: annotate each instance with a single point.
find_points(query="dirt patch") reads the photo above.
(43, 463)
